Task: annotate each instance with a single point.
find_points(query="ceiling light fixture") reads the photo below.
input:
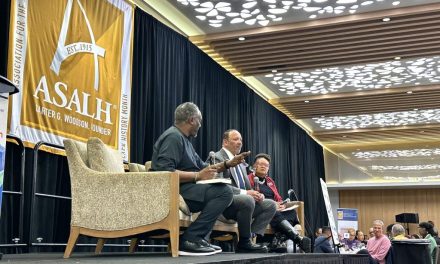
(396, 3)
(409, 92)
(274, 71)
(397, 58)
(386, 19)
(306, 101)
(242, 38)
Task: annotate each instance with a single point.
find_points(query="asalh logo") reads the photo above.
(63, 51)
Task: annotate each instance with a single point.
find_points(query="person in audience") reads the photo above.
(435, 235)
(174, 152)
(377, 246)
(283, 221)
(322, 242)
(249, 208)
(398, 232)
(371, 232)
(388, 232)
(361, 237)
(415, 236)
(351, 243)
(318, 232)
(425, 231)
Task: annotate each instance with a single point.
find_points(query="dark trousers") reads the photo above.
(290, 216)
(216, 198)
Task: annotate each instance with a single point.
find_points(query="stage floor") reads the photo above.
(164, 258)
(153, 258)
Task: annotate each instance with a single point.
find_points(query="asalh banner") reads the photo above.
(72, 61)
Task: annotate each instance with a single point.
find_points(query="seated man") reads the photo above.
(398, 232)
(282, 221)
(249, 208)
(322, 242)
(174, 152)
(377, 246)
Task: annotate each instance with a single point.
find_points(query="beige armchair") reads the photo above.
(110, 203)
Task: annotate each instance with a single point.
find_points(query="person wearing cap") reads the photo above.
(283, 221)
(426, 230)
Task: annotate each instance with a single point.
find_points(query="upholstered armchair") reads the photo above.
(110, 203)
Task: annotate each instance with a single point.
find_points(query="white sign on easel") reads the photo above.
(328, 207)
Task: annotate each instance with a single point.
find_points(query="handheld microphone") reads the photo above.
(285, 201)
(212, 157)
(256, 184)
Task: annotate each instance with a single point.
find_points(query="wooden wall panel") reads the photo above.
(385, 204)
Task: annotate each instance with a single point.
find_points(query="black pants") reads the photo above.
(290, 216)
(216, 198)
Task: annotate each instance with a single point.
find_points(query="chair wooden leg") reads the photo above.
(174, 241)
(100, 245)
(74, 234)
(133, 244)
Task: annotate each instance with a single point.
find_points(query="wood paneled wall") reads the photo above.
(385, 204)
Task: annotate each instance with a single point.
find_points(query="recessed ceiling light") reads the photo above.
(396, 3)
(306, 101)
(344, 136)
(409, 92)
(386, 19)
(241, 38)
(397, 58)
(416, 109)
(274, 71)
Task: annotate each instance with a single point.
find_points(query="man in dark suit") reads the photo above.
(322, 243)
(249, 208)
(174, 152)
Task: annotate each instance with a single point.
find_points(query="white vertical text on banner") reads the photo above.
(72, 61)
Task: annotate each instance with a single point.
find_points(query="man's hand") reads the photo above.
(256, 195)
(207, 173)
(238, 159)
(280, 206)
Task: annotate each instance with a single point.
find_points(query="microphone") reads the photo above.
(289, 192)
(212, 157)
(285, 201)
(256, 184)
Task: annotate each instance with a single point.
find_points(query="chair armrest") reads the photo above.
(117, 201)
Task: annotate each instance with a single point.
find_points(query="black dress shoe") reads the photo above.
(207, 244)
(248, 247)
(189, 248)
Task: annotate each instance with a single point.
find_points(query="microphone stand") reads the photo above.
(306, 224)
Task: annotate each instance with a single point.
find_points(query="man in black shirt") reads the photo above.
(174, 152)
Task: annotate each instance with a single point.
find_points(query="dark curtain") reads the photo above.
(169, 70)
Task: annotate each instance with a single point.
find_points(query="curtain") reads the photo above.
(169, 70)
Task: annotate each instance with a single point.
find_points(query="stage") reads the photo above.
(162, 258)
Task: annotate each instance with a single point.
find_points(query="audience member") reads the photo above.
(361, 237)
(398, 232)
(247, 204)
(425, 230)
(377, 246)
(322, 242)
(415, 236)
(351, 243)
(435, 235)
(283, 222)
(174, 152)
(388, 232)
(371, 232)
(318, 232)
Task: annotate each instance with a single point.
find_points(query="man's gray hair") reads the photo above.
(397, 229)
(185, 111)
(378, 222)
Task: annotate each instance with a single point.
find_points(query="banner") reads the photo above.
(347, 218)
(72, 61)
(3, 119)
(328, 207)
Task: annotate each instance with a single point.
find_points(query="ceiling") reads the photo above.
(362, 77)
